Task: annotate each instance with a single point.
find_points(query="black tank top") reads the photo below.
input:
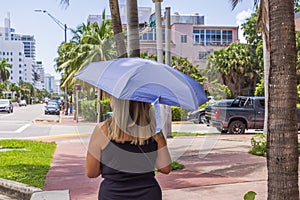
(126, 161)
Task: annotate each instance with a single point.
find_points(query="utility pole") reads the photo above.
(168, 110)
(159, 39)
(165, 110)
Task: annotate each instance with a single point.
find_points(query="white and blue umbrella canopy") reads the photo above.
(144, 80)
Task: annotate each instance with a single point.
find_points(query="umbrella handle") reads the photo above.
(157, 116)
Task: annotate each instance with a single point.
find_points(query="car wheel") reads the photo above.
(237, 127)
(202, 119)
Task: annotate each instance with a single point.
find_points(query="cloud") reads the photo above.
(240, 19)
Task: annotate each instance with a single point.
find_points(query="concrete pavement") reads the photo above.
(216, 167)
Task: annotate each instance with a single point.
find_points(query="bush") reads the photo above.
(178, 113)
(176, 165)
(259, 145)
(105, 107)
(88, 110)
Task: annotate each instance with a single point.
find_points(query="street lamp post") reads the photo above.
(64, 27)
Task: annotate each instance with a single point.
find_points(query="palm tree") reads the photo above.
(117, 26)
(236, 67)
(91, 43)
(281, 94)
(132, 29)
(4, 70)
(282, 146)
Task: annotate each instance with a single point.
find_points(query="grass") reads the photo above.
(28, 163)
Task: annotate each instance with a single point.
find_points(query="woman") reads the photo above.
(125, 150)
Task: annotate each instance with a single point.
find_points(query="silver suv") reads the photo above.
(6, 106)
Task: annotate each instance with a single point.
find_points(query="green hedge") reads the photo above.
(88, 109)
(179, 114)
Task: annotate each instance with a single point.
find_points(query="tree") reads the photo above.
(282, 137)
(132, 29)
(281, 95)
(236, 67)
(4, 70)
(117, 28)
(91, 43)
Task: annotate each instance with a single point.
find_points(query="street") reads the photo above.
(31, 122)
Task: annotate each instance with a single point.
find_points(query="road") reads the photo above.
(31, 122)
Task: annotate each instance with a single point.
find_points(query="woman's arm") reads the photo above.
(163, 160)
(97, 141)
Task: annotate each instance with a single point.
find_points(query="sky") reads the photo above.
(49, 35)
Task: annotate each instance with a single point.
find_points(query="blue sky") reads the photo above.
(49, 35)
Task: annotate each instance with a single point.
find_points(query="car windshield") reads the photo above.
(52, 106)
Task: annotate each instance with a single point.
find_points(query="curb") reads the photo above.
(42, 121)
(17, 190)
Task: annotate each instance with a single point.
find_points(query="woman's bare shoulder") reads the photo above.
(100, 135)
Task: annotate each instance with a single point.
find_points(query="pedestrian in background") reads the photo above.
(71, 107)
(125, 150)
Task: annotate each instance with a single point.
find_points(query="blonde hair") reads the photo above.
(132, 121)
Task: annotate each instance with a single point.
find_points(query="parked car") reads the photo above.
(52, 108)
(22, 103)
(210, 109)
(6, 106)
(198, 116)
(244, 112)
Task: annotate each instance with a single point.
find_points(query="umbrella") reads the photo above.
(144, 80)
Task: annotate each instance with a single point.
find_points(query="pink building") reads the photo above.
(191, 39)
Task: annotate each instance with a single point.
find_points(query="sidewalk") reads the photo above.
(216, 167)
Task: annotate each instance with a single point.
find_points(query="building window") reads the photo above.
(151, 35)
(20, 72)
(227, 36)
(20, 53)
(20, 59)
(183, 38)
(212, 37)
(11, 53)
(20, 65)
(203, 55)
(11, 59)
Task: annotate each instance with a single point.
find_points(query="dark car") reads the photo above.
(6, 106)
(210, 110)
(52, 109)
(197, 116)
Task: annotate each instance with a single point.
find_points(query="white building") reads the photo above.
(40, 72)
(49, 83)
(19, 51)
